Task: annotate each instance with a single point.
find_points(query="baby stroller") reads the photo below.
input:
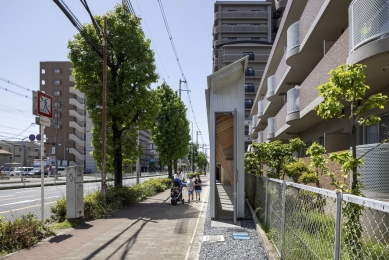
(176, 192)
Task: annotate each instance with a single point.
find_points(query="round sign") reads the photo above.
(38, 137)
(31, 137)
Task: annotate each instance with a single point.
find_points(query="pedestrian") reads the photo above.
(178, 175)
(190, 187)
(197, 187)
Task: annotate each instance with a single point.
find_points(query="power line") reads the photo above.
(178, 62)
(16, 85)
(16, 93)
(156, 50)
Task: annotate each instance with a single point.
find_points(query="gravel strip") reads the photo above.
(232, 249)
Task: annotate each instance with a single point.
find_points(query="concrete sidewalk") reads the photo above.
(152, 229)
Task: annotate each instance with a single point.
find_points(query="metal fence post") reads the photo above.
(338, 225)
(266, 191)
(283, 220)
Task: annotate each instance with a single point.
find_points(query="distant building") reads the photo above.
(245, 28)
(19, 152)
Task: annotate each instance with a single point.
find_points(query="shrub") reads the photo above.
(23, 232)
(59, 210)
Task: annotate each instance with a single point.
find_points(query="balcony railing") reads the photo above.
(270, 127)
(254, 39)
(368, 20)
(260, 137)
(270, 86)
(254, 121)
(240, 29)
(293, 100)
(249, 73)
(293, 36)
(250, 129)
(240, 15)
(260, 108)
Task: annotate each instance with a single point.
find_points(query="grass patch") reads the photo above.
(65, 224)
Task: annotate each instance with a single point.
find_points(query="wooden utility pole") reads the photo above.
(103, 129)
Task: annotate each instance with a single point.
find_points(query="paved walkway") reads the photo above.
(152, 229)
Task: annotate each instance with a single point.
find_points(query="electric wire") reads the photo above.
(179, 63)
(14, 92)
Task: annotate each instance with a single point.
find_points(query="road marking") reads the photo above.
(18, 197)
(9, 211)
(6, 196)
(25, 201)
(23, 191)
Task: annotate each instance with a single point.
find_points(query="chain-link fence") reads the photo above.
(305, 222)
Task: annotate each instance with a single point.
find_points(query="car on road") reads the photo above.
(87, 171)
(61, 171)
(36, 173)
(15, 171)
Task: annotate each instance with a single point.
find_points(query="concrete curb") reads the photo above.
(269, 249)
(38, 184)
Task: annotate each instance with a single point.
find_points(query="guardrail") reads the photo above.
(293, 100)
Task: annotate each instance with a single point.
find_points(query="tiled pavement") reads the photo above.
(153, 229)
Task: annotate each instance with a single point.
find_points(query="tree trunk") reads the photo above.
(169, 168)
(117, 154)
(354, 149)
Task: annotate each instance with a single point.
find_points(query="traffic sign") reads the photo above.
(44, 121)
(31, 137)
(45, 105)
(38, 137)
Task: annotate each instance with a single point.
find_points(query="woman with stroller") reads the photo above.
(197, 186)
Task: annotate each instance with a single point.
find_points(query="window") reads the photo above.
(247, 117)
(246, 132)
(371, 134)
(43, 71)
(57, 104)
(248, 103)
(57, 93)
(57, 115)
(250, 54)
(43, 82)
(57, 126)
(249, 87)
(57, 82)
(249, 72)
(57, 71)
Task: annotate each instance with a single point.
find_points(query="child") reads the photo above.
(190, 186)
(197, 187)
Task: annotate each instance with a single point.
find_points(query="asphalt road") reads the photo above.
(17, 202)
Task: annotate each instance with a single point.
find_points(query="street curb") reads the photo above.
(38, 184)
(267, 245)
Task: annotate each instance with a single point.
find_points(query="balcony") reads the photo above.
(240, 29)
(79, 128)
(79, 154)
(293, 40)
(260, 137)
(260, 108)
(254, 58)
(74, 138)
(293, 104)
(75, 102)
(271, 128)
(254, 74)
(76, 92)
(368, 21)
(280, 4)
(270, 86)
(77, 115)
(238, 40)
(241, 15)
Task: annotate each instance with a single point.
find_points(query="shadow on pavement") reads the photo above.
(59, 238)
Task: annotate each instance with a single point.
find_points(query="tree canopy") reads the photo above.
(131, 104)
(170, 132)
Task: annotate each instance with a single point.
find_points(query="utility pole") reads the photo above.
(56, 113)
(103, 143)
(179, 88)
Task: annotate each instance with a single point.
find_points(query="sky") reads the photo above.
(35, 31)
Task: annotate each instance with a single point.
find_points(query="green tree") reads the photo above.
(170, 132)
(130, 102)
(347, 87)
(252, 164)
(194, 149)
(202, 161)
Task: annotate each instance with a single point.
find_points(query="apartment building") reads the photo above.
(315, 36)
(69, 107)
(244, 28)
